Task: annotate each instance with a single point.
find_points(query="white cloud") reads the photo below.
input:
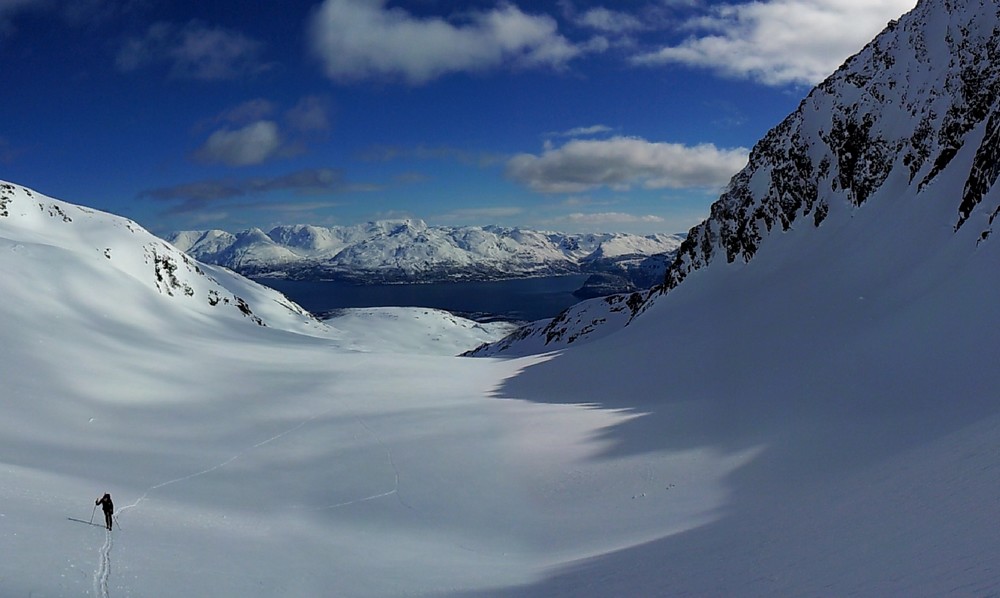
(582, 131)
(195, 51)
(249, 135)
(623, 162)
(778, 42)
(359, 39)
(609, 21)
(252, 144)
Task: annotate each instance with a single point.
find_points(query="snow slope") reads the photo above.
(869, 399)
(412, 330)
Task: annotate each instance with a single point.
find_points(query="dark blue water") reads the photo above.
(524, 299)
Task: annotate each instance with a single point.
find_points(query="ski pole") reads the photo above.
(118, 523)
(92, 515)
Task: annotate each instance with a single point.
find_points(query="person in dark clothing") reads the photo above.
(107, 506)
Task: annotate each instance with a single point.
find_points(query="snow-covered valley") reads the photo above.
(291, 458)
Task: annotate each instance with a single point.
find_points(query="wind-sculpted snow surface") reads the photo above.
(412, 251)
(914, 117)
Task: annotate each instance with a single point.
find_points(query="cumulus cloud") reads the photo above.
(252, 144)
(195, 51)
(250, 136)
(623, 162)
(779, 42)
(360, 39)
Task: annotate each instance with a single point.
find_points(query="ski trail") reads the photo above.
(395, 486)
(103, 571)
(392, 463)
(218, 466)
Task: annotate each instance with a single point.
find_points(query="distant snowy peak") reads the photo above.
(410, 250)
(914, 117)
(115, 257)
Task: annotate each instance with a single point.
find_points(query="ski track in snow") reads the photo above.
(395, 471)
(103, 571)
(145, 494)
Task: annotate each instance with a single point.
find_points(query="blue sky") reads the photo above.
(572, 115)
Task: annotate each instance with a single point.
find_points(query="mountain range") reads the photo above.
(394, 251)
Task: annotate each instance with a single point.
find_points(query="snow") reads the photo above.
(415, 330)
(297, 458)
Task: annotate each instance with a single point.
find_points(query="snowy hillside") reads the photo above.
(912, 118)
(53, 238)
(412, 251)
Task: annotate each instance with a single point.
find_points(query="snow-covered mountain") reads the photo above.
(911, 121)
(412, 251)
(53, 237)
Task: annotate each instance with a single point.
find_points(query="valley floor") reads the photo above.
(275, 464)
(287, 465)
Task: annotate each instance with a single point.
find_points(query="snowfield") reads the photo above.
(291, 458)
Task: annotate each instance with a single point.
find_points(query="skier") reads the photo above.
(107, 506)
